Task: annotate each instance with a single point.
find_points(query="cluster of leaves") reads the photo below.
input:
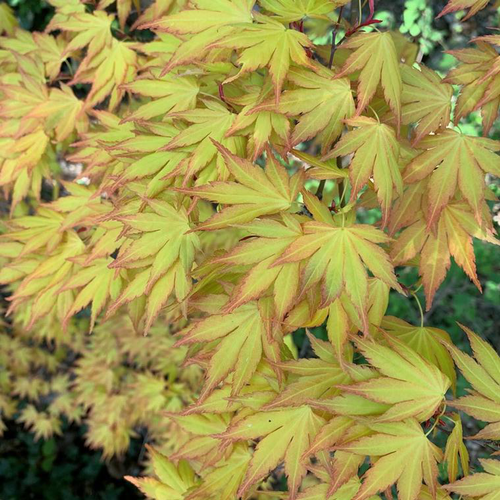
(225, 165)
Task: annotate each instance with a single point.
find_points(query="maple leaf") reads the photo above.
(173, 481)
(159, 235)
(206, 126)
(314, 378)
(413, 386)
(206, 22)
(93, 30)
(294, 10)
(223, 481)
(480, 82)
(483, 374)
(376, 153)
(474, 7)
(452, 160)
(426, 100)
(261, 120)
(113, 66)
(271, 239)
(8, 21)
(98, 284)
(426, 341)
(453, 236)
(406, 458)
(62, 112)
(257, 192)
(244, 338)
(337, 257)
(170, 93)
(285, 435)
(455, 449)
(319, 105)
(268, 44)
(376, 56)
(481, 484)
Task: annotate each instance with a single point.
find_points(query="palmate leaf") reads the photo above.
(257, 192)
(407, 458)
(294, 10)
(452, 160)
(173, 481)
(285, 435)
(170, 93)
(414, 387)
(453, 236)
(484, 485)
(268, 44)
(93, 31)
(426, 341)
(98, 284)
(376, 154)
(310, 379)
(270, 239)
(426, 101)
(206, 125)
(474, 7)
(244, 337)
(337, 256)
(161, 240)
(480, 82)
(483, 373)
(262, 122)
(222, 481)
(319, 102)
(455, 450)
(207, 22)
(376, 56)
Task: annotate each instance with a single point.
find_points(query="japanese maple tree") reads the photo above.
(228, 155)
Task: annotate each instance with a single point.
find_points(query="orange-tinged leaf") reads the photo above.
(426, 101)
(482, 484)
(482, 373)
(474, 7)
(320, 103)
(413, 386)
(268, 44)
(337, 257)
(243, 339)
(376, 56)
(454, 160)
(376, 154)
(285, 435)
(257, 192)
(407, 458)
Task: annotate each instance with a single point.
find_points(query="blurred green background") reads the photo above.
(63, 468)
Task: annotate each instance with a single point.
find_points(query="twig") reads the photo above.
(334, 38)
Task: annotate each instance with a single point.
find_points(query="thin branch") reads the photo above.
(334, 38)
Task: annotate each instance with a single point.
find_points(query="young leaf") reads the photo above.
(285, 435)
(375, 55)
(337, 257)
(414, 387)
(484, 376)
(407, 458)
(454, 160)
(376, 154)
(257, 192)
